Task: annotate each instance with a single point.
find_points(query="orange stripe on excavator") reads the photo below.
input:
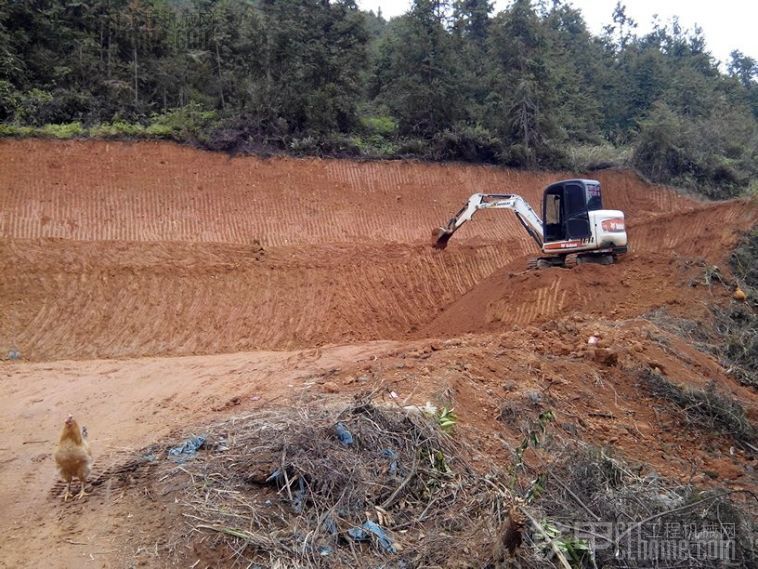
(563, 245)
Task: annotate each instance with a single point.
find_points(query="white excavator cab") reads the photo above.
(565, 209)
(573, 222)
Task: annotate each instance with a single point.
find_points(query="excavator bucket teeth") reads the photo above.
(441, 237)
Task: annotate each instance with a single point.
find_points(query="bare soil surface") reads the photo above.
(152, 289)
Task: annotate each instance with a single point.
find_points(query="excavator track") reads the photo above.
(548, 262)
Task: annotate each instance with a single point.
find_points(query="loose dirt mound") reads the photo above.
(667, 268)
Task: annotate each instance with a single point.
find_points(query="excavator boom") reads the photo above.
(524, 212)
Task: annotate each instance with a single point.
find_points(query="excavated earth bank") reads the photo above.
(151, 289)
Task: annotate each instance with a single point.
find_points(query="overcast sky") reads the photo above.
(727, 24)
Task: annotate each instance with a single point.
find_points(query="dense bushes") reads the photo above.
(715, 155)
(526, 87)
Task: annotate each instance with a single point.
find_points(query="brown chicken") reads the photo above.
(73, 456)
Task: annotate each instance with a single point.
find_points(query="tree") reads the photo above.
(523, 98)
(471, 20)
(620, 33)
(574, 61)
(418, 73)
(743, 68)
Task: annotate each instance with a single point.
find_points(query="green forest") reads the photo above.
(526, 87)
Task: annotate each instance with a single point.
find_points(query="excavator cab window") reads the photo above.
(552, 222)
(576, 222)
(594, 197)
(565, 208)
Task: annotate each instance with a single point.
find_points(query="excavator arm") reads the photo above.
(524, 212)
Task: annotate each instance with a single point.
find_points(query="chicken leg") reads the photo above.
(82, 493)
(67, 494)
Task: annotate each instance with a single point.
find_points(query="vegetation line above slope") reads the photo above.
(528, 87)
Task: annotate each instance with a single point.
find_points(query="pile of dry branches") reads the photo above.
(385, 487)
(351, 487)
(621, 518)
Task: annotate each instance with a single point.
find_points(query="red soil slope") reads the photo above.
(113, 250)
(667, 263)
(128, 251)
(163, 192)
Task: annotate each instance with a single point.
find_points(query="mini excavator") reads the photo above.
(573, 223)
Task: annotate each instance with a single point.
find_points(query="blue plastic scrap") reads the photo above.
(384, 541)
(330, 525)
(325, 550)
(371, 528)
(343, 434)
(276, 476)
(187, 449)
(358, 534)
(392, 455)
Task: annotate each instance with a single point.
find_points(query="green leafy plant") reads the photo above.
(535, 433)
(536, 488)
(7, 130)
(382, 125)
(117, 129)
(575, 549)
(439, 462)
(447, 419)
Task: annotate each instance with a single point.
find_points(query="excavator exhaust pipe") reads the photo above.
(440, 237)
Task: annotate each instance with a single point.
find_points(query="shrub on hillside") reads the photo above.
(588, 157)
(38, 107)
(188, 123)
(63, 131)
(117, 129)
(714, 155)
(467, 143)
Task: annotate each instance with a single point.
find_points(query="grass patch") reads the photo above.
(12, 130)
(186, 124)
(118, 129)
(737, 323)
(707, 408)
(62, 131)
(588, 157)
(732, 335)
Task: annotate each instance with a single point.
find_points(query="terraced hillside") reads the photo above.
(154, 289)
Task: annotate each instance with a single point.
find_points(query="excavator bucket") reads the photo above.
(440, 237)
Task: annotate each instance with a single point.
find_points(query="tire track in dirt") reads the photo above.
(657, 273)
(159, 255)
(703, 231)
